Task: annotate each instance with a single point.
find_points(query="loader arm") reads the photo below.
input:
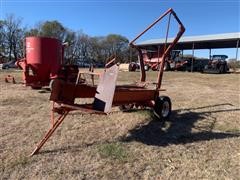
(166, 49)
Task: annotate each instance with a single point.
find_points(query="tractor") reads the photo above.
(217, 65)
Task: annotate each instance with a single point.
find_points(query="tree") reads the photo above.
(53, 29)
(2, 47)
(116, 45)
(233, 63)
(32, 32)
(13, 36)
(80, 46)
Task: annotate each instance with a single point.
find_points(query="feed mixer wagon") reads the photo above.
(44, 61)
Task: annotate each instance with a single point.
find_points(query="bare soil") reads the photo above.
(201, 140)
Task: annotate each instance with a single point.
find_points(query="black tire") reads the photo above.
(146, 67)
(126, 107)
(221, 69)
(163, 108)
(6, 67)
(225, 69)
(132, 67)
(51, 84)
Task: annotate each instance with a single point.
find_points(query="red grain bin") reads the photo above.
(44, 57)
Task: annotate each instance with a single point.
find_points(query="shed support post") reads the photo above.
(130, 54)
(210, 54)
(237, 50)
(192, 57)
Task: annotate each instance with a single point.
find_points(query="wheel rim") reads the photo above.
(165, 109)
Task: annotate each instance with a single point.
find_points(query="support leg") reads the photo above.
(50, 132)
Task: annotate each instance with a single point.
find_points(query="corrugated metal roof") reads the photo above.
(214, 38)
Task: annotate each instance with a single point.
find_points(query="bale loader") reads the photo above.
(107, 94)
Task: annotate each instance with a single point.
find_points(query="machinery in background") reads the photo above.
(217, 65)
(177, 62)
(153, 62)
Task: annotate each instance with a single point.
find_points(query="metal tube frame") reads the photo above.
(121, 94)
(166, 51)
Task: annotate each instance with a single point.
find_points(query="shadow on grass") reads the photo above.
(178, 130)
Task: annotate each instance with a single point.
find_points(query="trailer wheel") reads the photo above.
(126, 107)
(162, 108)
(51, 84)
(146, 67)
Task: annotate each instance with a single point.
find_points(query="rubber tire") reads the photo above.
(51, 84)
(225, 68)
(221, 69)
(158, 107)
(6, 67)
(132, 67)
(146, 67)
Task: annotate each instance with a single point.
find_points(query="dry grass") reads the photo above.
(201, 140)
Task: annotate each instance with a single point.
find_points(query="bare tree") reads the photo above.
(2, 46)
(80, 48)
(13, 36)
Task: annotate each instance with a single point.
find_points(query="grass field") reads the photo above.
(200, 141)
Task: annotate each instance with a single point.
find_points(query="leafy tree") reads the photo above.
(32, 32)
(53, 29)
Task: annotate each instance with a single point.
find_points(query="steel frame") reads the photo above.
(64, 94)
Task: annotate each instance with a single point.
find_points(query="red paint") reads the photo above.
(43, 57)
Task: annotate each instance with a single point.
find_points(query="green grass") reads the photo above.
(114, 151)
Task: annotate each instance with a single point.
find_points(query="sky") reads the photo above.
(128, 18)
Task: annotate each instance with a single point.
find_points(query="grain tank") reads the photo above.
(43, 60)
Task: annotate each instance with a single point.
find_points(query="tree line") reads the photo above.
(81, 47)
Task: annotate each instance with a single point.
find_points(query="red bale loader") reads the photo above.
(107, 94)
(44, 61)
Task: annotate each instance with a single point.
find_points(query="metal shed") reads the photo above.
(214, 41)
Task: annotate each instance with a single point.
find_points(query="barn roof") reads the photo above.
(227, 40)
